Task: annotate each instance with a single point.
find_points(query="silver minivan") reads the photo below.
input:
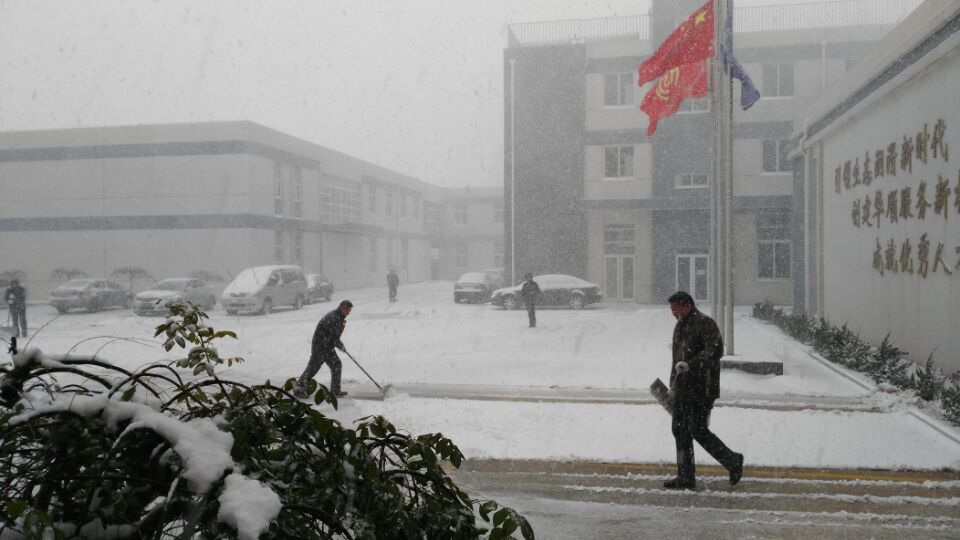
(261, 288)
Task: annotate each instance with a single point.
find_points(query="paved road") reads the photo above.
(614, 501)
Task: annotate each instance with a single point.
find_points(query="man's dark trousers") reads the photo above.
(532, 313)
(18, 319)
(318, 358)
(393, 293)
(691, 421)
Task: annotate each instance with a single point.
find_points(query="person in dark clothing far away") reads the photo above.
(325, 338)
(16, 297)
(393, 282)
(530, 293)
(695, 384)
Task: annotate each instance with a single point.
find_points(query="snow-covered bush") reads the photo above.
(886, 364)
(89, 449)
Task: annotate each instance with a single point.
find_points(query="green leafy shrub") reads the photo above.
(950, 398)
(90, 449)
(927, 380)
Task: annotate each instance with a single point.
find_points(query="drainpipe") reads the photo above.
(513, 180)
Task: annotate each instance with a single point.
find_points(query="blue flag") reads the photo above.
(748, 92)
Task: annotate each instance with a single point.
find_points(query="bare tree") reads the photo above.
(131, 273)
(66, 274)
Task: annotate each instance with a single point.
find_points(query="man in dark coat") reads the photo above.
(325, 338)
(530, 292)
(393, 282)
(16, 297)
(695, 384)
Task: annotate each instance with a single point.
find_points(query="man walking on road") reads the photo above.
(16, 297)
(530, 293)
(325, 338)
(393, 282)
(695, 384)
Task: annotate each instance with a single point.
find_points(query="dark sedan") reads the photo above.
(319, 288)
(555, 289)
(473, 287)
(89, 294)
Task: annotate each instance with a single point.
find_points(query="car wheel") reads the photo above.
(510, 302)
(231, 312)
(61, 310)
(266, 307)
(298, 302)
(576, 302)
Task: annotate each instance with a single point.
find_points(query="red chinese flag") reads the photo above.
(676, 85)
(691, 42)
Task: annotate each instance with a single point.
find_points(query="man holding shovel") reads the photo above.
(325, 338)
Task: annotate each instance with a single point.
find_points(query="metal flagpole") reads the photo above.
(717, 188)
(728, 184)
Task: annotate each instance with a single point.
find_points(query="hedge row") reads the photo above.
(885, 363)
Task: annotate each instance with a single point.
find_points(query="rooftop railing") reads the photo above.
(797, 16)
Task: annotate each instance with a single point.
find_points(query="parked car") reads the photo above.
(474, 287)
(262, 288)
(90, 294)
(496, 276)
(556, 290)
(174, 290)
(319, 288)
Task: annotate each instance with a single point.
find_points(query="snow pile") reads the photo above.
(248, 506)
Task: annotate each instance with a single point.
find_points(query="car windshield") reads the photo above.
(250, 280)
(169, 285)
(473, 277)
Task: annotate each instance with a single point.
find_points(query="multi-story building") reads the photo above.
(598, 198)
(220, 197)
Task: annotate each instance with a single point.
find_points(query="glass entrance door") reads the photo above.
(618, 277)
(692, 275)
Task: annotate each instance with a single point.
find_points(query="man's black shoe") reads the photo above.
(736, 471)
(676, 483)
(339, 393)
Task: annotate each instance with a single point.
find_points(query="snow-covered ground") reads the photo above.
(426, 339)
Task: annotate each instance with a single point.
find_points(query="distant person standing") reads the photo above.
(695, 384)
(326, 337)
(393, 281)
(530, 293)
(16, 297)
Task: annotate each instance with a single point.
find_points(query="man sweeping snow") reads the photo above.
(325, 338)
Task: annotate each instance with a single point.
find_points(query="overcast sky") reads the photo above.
(413, 85)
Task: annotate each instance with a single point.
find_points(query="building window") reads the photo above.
(404, 254)
(498, 251)
(775, 156)
(373, 255)
(618, 89)
(773, 234)
(498, 214)
(692, 181)
(339, 203)
(403, 206)
(388, 203)
(391, 262)
(431, 217)
(277, 190)
(278, 247)
(416, 209)
(460, 255)
(372, 199)
(619, 240)
(297, 192)
(460, 214)
(618, 161)
(298, 247)
(694, 106)
(778, 80)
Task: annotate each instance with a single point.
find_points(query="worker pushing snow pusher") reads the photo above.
(326, 338)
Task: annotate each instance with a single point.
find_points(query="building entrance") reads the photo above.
(692, 275)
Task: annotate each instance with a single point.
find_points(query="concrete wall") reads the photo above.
(919, 311)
